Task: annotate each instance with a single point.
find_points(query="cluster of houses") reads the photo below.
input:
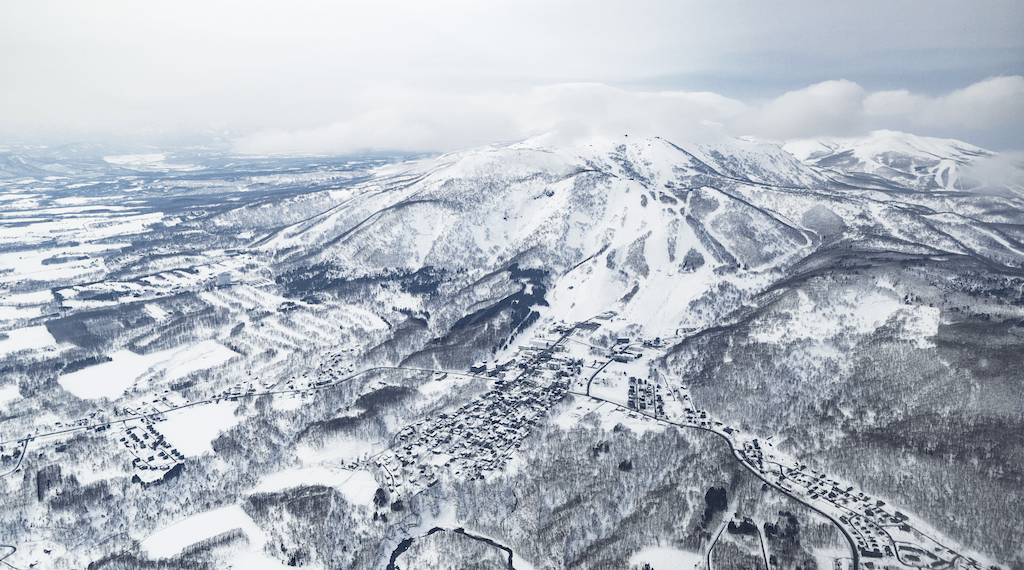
(152, 453)
(622, 351)
(879, 532)
(332, 370)
(81, 422)
(479, 438)
(238, 390)
(644, 397)
(471, 443)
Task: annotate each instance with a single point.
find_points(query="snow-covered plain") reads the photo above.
(665, 558)
(111, 379)
(357, 486)
(172, 539)
(192, 429)
(9, 393)
(28, 338)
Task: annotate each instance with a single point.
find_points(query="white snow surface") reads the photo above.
(894, 155)
(155, 311)
(857, 312)
(23, 305)
(28, 338)
(9, 393)
(34, 298)
(191, 430)
(170, 540)
(200, 356)
(882, 141)
(111, 379)
(153, 162)
(607, 415)
(339, 449)
(357, 486)
(664, 558)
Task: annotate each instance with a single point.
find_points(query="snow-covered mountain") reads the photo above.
(911, 161)
(286, 352)
(623, 225)
(825, 255)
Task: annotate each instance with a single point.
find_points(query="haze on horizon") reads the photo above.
(398, 75)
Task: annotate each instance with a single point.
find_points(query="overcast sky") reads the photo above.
(441, 75)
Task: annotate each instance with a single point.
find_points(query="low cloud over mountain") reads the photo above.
(992, 110)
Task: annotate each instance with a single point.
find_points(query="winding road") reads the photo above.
(751, 468)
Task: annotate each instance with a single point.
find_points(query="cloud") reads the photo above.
(567, 113)
(402, 121)
(414, 120)
(1001, 174)
(989, 103)
(989, 113)
(323, 68)
(599, 110)
(828, 108)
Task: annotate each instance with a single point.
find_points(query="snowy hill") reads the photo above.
(622, 225)
(916, 162)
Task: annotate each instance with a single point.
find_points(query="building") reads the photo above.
(224, 279)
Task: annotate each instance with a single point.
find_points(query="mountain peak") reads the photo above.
(909, 160)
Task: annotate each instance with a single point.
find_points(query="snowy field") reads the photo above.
(357, 486)
(111, 379)
(192, 429)
(661, 558)
(23, 305)
(607, 414)
(856, 312)
(172, 539)
(154, 162)
(201, 356)
(9, 393)
(339, 449)
(28, 338)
